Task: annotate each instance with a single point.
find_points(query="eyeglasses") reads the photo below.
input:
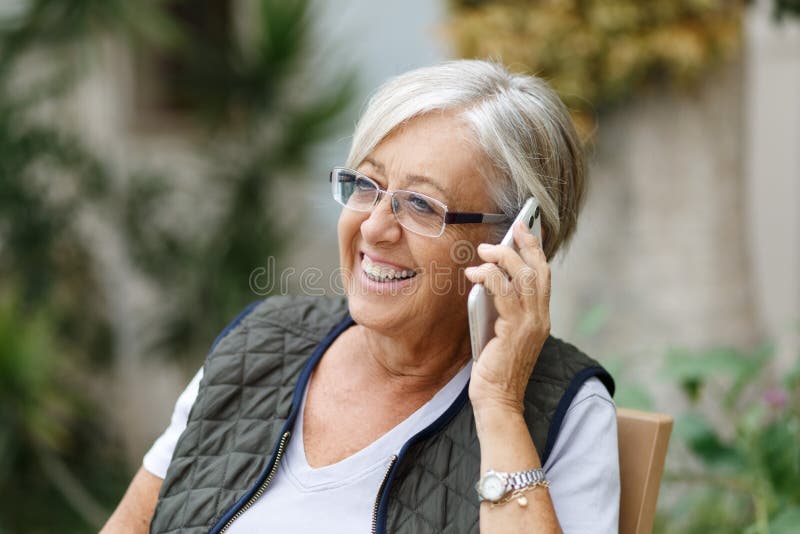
(416, 212)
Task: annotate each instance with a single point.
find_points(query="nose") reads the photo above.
(381, 225)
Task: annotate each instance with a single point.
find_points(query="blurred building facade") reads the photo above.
(772, 170)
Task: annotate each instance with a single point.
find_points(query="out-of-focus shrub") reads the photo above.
(596, 53)
(60, 468)
(742, 430)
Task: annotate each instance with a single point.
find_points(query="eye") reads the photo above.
(420, 204)
(364, 185)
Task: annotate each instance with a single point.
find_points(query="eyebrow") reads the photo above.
(412, 178)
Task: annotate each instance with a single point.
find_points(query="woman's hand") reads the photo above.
(520, 285)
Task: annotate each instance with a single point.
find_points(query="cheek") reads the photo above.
(462, 246)
(348, 228)
(446, 262)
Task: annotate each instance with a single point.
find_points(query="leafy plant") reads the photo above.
(744, 440)
(263, 130)
(49, 437)
(252, 128)
(786, 8)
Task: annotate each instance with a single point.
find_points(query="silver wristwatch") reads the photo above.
(494, 485)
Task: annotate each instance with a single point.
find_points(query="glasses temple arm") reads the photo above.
(465, 218)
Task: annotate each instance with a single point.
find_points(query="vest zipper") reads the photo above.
(380, 494)
(262, 488)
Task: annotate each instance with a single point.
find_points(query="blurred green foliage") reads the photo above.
(629, 393)
(742, 428)
(55, 454)
(251, 128)
(786, 8)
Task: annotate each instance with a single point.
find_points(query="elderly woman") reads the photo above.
(368, 413)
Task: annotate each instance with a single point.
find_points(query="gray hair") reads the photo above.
(519, 123)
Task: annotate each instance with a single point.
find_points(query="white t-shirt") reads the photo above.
(583, 469)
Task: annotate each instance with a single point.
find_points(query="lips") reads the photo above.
(383, 272)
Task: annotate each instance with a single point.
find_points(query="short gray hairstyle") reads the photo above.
(519, 122)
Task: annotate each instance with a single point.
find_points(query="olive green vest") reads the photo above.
(253, 382)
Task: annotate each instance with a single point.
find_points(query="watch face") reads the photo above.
(493, 487)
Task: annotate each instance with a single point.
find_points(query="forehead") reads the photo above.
(436, 154)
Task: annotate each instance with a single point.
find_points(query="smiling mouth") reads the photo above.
(378, 273)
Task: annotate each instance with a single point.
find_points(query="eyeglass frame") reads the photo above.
(450, 217)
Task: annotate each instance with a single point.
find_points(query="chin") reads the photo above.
(380, 312)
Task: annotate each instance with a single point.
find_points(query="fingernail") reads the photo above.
(484, 246)
(469, 270)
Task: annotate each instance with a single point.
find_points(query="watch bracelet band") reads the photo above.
(515, 483)
(524, 479)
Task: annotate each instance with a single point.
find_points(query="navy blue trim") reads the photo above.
(430, 430)
(239, 318)
(566, 400)
(297, 398)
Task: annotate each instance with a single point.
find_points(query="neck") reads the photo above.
(410, 366)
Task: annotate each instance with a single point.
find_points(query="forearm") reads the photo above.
(135, 511)
(506, 445)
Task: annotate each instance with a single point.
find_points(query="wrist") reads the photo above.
(499, 399)
(499, 487)
(498, 418)
(498, 409)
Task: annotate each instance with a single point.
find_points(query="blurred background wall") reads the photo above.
(154, 158)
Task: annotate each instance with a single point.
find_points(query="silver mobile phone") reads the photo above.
(480, 305)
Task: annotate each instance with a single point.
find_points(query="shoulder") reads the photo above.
(592, 391)
(301, 307)
(590, 418)
(556, 384)
(584, 464)
(308, 314)
(307, 317)
(560, 361)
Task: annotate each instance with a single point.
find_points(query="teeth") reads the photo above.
(383, 274)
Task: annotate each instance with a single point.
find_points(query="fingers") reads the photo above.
(530, 252)
(497, 284)
(530, 248)
(493, 279)
(523, 267)
(521, 276)
(505, 257)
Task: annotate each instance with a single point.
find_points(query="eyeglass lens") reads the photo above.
(415, 211)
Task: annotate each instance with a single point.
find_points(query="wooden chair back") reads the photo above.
(643, 441)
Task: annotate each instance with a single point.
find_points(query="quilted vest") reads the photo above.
(253, 382)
